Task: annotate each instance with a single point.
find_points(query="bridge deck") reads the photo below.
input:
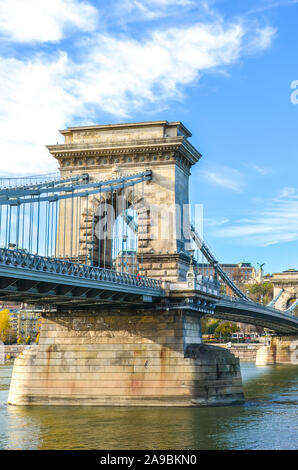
(30, 278)
(38, 279)
(255, 314)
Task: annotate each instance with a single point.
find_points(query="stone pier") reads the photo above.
(129, 353)
(282, 350)
(135, 358)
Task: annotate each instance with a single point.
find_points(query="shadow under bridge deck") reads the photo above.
(252, 313)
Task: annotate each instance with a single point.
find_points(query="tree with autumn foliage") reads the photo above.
(4, 324)
(20, 340)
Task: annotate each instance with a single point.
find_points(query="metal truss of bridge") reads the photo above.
(30, 218)
(51, 254)
(242, 309)
(32, 278)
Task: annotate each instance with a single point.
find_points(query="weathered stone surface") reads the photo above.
(123, 357)
(282, 350)
(110, 151)
(153, 359)
(288, 281)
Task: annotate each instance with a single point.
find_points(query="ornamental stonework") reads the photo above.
(104, 152)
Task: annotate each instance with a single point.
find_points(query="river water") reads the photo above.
(268, 420)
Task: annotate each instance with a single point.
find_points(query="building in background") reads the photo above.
(24, 320)
(28, 322)
(241, 273)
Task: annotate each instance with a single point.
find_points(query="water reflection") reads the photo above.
(267, 420)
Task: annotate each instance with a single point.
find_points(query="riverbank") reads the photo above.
(246, 352)
(13, 350)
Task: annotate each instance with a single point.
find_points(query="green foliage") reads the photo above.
(212, 327)
(4, 324)
(261, 293)
(209, 326)
(226, 329)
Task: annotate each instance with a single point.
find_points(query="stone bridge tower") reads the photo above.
(288, 281)
(109, 151)
(126, 353)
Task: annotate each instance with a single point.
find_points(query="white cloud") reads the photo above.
(124, 74)
(225, 177)
(38, 20)
(264, 5)
(34, 104)
(216, 222)
(276, 223)
(166, 3)
(117, 75)
(287, 192)
(146, 10)
(259, 169)
(262, 39)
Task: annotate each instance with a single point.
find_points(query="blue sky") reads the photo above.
(224, 68)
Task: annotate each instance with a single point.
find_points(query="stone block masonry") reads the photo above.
(148, 358)
(282, 350)
(245, 352)
(110, 151)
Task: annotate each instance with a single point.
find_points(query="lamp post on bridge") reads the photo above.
(90, 248)
(124, 241)
(191, 275)
(191, 253)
